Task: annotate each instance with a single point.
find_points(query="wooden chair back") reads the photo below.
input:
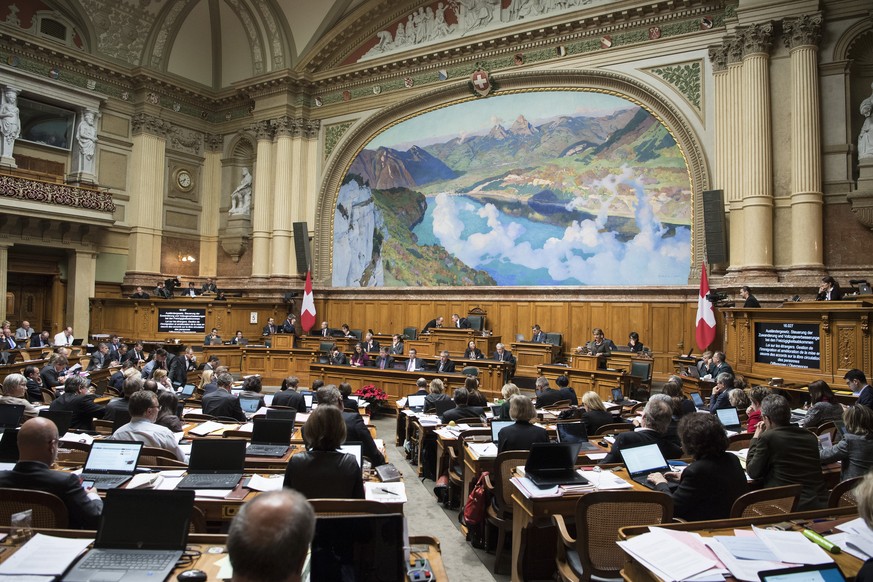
(614, 427)
(770, 501)
(843, 495)
(48, 509)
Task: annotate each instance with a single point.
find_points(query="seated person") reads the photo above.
(221, 402)
(503, 355)
(100, 358)
(436, 393)
(784, 454)
(396, 348)
(322, 471)
(270, 536)
(345, 330)
(421, 387)
(337, 357)
(191, 291)
(414, 363)
(507, 392)
(538, 336)
(370, 344)
(238, 339)
(864, 495)
(594, 413)
(207, 385)
(78, 400)
(445, 364)
(139, 293)
(356, 430)
(360, 357)
(144, 411)
(130, 385)
(567, 393)
(829, 290)
(251, 388)
(653, 429)
(855, 449)
(599, 345)
(34, 384)
(384, 361)
(681, 405)
(38, 450)
(521, 435)
(634, 343)
(289, 396)
(472, 352)
(756, 397)
(711, 484)
(345, 390)
(15, 391)
(739, 399)
(52, 373)
(474, 397)
(433, 323)
(168, 413)
(719, 365)
(462, 408)
(704, 365)
(213, 338)
(720, 398)
(824, 406)
(546, 396)
(162, 379)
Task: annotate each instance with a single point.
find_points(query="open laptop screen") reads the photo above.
(728, 416)
(617, 395)
(307, 399)
(250, 405)
(415, 400)
(62, 419)
(161, 519)
(10, 415)
(551, 456)
(223, 455)
(643, 459)
(817, 573)
(370, 546)
(113, 456)
(696, 399)
(497, 426)
(187, 390)
(272, 431)
(354, 449)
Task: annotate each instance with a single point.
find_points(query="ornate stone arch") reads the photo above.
(593, 80)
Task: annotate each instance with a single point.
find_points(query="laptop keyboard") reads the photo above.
(198, 480)
(116, 560)
(104, 481)
(266, 451)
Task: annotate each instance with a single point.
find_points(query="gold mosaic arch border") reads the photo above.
(607, 82)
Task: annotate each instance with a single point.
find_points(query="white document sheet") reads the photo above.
(44, 555)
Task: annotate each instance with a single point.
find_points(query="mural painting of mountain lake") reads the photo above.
(536, 188)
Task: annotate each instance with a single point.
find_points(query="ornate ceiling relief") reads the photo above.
(252, 33)
(121, 27)
(169, 25)
(686, 78)
(273, 30)
(333, 134)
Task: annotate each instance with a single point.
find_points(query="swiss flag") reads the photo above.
(307, 314)
(705, 314)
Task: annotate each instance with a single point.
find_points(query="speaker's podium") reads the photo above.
(529, 355)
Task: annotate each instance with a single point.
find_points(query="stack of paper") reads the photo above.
(394, 492)
(208, 427)
(43, 556)
(258, 483)
(605, 480)
(668, 556)
(483, 449)
(855, 538)
(75, 437)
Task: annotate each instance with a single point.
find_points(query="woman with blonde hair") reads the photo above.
(164, 383)
(595, 414)
(521, 435)
(205, 378)
(508, 391)
(436, 393)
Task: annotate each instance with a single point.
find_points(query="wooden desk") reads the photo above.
(421, 546)
(634, 572)
(455, 341)
(581, 381)
(529, 355)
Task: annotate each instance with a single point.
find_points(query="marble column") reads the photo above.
(146, 207)
(262, 206)
(733, 173)
(4, 277)
(81, 271)
(802, 36)
(308, 183)
(757, 155)
(210, 199)
(287, 158)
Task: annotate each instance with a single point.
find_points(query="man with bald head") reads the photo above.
(269, 537)
(38, 449)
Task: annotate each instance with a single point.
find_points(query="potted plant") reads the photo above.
(375, 397)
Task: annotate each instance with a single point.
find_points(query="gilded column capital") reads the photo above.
(264, 130)
(214, 142)
(802, 31)
(757, 38)
(145, 123)
(311, 127)
(718, 57)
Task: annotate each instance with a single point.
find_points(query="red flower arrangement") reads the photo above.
(372, 394)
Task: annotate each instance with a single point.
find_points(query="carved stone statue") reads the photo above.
(86, 139)
(865, 138)
(241, 197)
(10, 123)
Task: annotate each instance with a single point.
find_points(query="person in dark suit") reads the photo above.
(784, 454)
(34, 384)
(114, 345)
(345, 390)
(370, 344)
(594, 414)
(288, 395)
(100, 358)
(140, 294)
(356, 430)
(460, 322)
(829, 290)
(322, 471)
(634, 343)
(421, 388)
(857, 382)
(472, 352)
(546, 396)
(162, 291)
(567, 393)
(51, 373)
(414, 363)
(290, 324)
(855, 449)
(445, 364)
(337, 357)
(503, 355)
(396, 347)
(172, 283)
(38, 450)
(116, 405)
(181, 365)
(325, 330)
(462, 408)
(436, 393)
(600, 344)
(751, 300)
(719, 365)
(221, 402)
(77, 400)
(40, 340)
(191, 291)
(270, 328)
(212, 338)
(653, 429)
(135, 355)
(724, 383)
(238, 339)
(384, 361)
(433, 323)
(710, 485)
(539, 336)
(521, 435)
(209, 286)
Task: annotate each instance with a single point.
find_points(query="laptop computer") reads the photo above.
(9, 446)
(360, 547)
(270, 438)
(823, 572)
(249, 405)
(415, 402)
(497, 426)
(354, 449)
(550, 464)
(78, 341)
(215, 464)
(62, 419)
(697, 400)
(187, 391)
(642, 460)
(519, 337)
(729, 418)
(693, 371)
(281, 414)
(144, 553)
(111, 463)
(308, 398)
(10, 415)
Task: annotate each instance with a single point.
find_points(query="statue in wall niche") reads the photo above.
(86, 137)
(10, 124)
(241, 198)
(865, 139)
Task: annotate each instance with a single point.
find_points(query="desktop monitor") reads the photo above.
(370, 546)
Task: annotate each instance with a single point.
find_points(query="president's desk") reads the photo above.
(800, 341)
